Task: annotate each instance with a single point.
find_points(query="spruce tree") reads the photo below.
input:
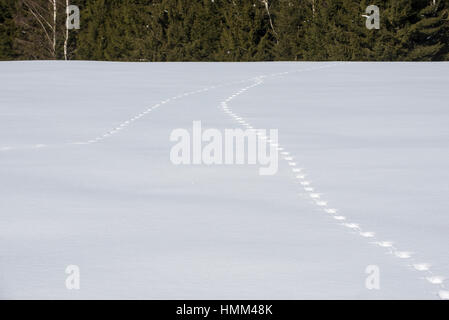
(413, 30)
(230, 30)
(206, 30)
(7, 30)
(91, 43)
(245, 32)
(290, 16)
(430, 34)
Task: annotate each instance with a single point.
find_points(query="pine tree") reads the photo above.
(245, 33)
(122, 30)
(320, 30)
(91, 43)
(413, 30)
(206, 30)
(149, 32)
(7, 30)
(290, 17)
(430, 34)
(179, 19)
(227, 30)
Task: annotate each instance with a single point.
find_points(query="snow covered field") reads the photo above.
(86, 180)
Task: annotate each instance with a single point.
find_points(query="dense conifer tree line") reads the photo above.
(226, 30)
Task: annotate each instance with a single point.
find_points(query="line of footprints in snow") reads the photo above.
(128, 122)
(317, 198)
(298, 172)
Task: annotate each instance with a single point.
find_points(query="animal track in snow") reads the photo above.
(436, 279)
(422, 266)
(385, 244)
(443, 294)
(403, 254)
(124, 124)
(367, 234)
(323, 205)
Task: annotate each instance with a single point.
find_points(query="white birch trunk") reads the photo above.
(267, 8)
(66, 41)
(54, 27)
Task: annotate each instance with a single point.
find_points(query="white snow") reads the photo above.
(86, 180)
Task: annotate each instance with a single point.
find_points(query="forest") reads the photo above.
(225, 30)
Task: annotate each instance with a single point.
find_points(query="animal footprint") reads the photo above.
(435, 280)
(368, 234)
(385, 244)
(321, 203)
(444, 295)
(351, 225)
(422, 266)
(403, 254)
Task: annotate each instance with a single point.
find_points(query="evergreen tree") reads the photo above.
(413, 30)
(245, 32)
(430, 34)
(227, 30)
(7, 30)
(92, 42)
(178, 27)
(207, 27)
(290, 16)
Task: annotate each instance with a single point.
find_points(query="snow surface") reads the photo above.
(373, 139)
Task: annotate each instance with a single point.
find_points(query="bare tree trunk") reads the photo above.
(37, 19)
(55, 15)
(265, 2)
(67, 3)
(313, 7)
